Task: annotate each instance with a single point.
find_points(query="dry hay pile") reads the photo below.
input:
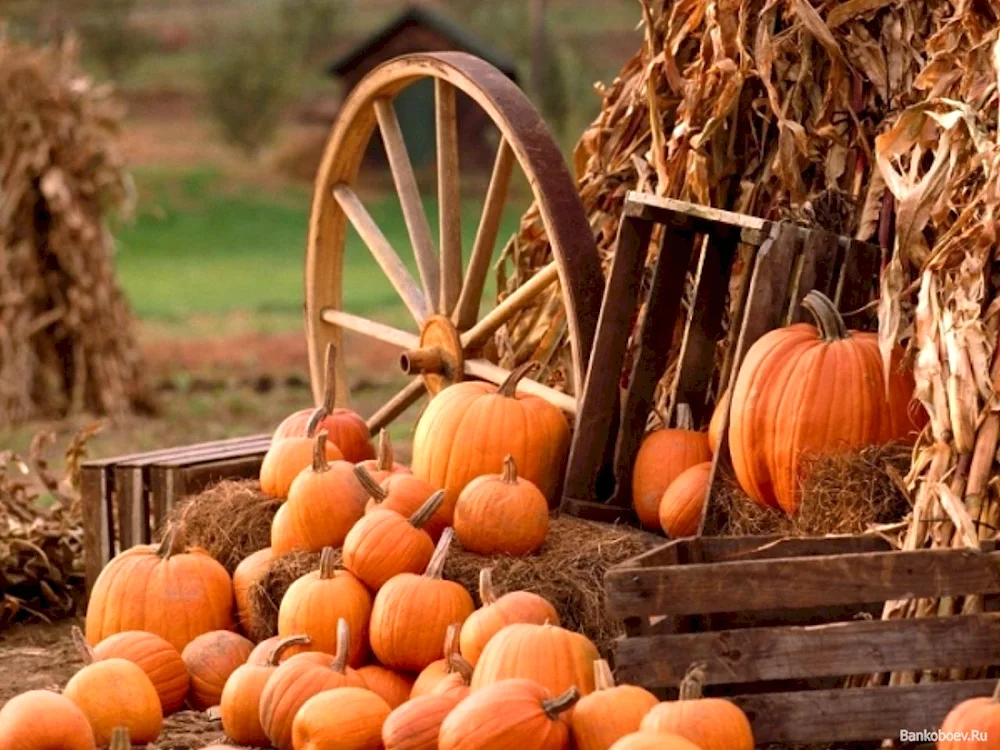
(265, 595)
(66, 336)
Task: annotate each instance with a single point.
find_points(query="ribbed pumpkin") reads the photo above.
(210, 659)
(415, 725)
(384, 544)
(809, 390)
(715, 424)
(684, 501)
(975, 714)
(161, 662)
(288, 458)
(653, 741)
(412, 613)
(431, 675)
(393, 687)
(549, 655)
(609, 713)
(247, 573)
(299, 679)
(457, 682)
(497, 613)
(509, 714)
(384, 464)
(347, 429)
(468, 428)
(65, 726)
(318, 599)
(262, 651)
(405, 494)
(170, 590)
(347, 718)
(240, 702)
(710, 723)
(502, 514)
(324, 502)
(662, 457)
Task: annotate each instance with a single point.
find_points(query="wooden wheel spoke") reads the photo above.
(383, 251)
(520, 298)
(397, 405)
(449, 196)
(371, 329)
(467, 309)
(409, 197)
(486, 370)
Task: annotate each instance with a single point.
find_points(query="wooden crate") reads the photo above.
(780, 622)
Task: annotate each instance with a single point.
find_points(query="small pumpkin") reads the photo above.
(457, 682)
(65, 726)
(384, 464)
(502, 514)
(299, 679)
(210, 659)
(467, 429)
(324, 502)
(710, 723)
(415, 725)
(347, 718)
(160, 661)
(715, 424)
(288, 458)
(662, 457)
(509, 714)
(168, 589)
(431, 675)
(347, 429)
(411, 614)
(247, 573)
(322, 597)
(610, 712)
(240, 702)
(684, 501)
(653, 741)
(496, 613)
(384, 544)
(394, 687)
(981, 715)
(405, 494)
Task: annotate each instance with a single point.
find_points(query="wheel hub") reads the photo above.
(440, 359)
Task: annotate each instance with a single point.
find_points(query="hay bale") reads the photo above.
(264, 596)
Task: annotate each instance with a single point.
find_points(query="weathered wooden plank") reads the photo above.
(810, 581)
(97, 531)
(133, 508)
(681, 214)
(600, 512)
(816, 271)
(857, 284)
(835, 649)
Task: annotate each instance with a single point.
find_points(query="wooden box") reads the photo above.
(780, 622)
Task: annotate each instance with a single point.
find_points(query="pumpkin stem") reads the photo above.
(329, 391)
(214, 713)
(424, 513)
(82, 647)
(831, 326)
(458, 663)
(693, 684)
(343, 646)
(451, 644)
(327, 563)
(120, 739)
(435, 568)
(508, 388)
(274, 658)
(603, 679)
(996, 693)
(172, 542)
(384, 458)
(320, 464)
(509, 470)
(372, 487)
(555, 706)
(683, 418)
(487, 594)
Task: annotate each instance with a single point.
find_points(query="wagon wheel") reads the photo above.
(446, 346)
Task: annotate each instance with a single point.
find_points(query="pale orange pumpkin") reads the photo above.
(406, 494)
(412, 613)
(806, 390)
(709, 723)
(65, 726)
(502, 514)
(653, 741)
(161, 662)
(299, 679)
(288, 458)
(509, 714)
(458, 682)
(715, 424)
(415, 725)
(247, 573)
(394, 687)
(440, 669)
(384, 464)
(322, 597)
(975, 714)
(496, 613)
(324, 502)
(684, 501)
(663, 456)
(384, 544)
(168, 589)
(240, 702)
(466, 430)
(609, 713)
(346, 718)
(210, 659)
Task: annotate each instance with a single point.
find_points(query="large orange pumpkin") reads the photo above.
(684, 501)
(247, 573)
(509, 714)
(411, 614)
(65, 726)
(415, 725)
(393, 687)
(663, 456)
(384, 464)
(262, 651)
(324, 502)
(439, 670)
(468, 428)
(981, 715)
(809, 390)
(318, 599)
(653, 741)
(405, 494)
(175, 592)
(346, 718)
(609, 713)
(210, 659)
(497, 613)
(161, 662)
(288, 458)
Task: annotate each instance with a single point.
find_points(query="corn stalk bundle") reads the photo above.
(66, 334)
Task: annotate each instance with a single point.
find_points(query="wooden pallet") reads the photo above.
(125, 498)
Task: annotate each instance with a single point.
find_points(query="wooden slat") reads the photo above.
(449, 194)
(600, 512)
(857, 283)
(810, 581)
(97, 531)
(833, 650)
(520, 298)
(816, 271)
(682, 215)
(397, 405)
(133, 506)
(372, 329)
